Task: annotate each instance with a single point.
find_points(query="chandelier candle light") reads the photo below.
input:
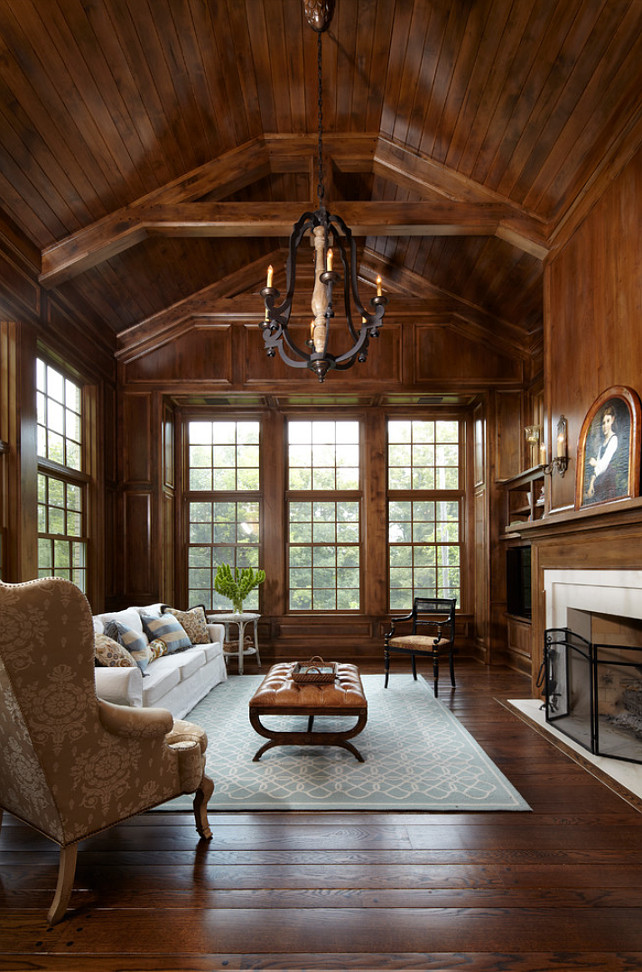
(330, 236)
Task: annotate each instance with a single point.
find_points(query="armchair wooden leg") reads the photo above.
(435, 672)
(201, 798)
(452, 670)
(66, 871)
(386, 660)
(414, 667)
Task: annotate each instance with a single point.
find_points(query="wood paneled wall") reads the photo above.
(593, 341)
(593, 312)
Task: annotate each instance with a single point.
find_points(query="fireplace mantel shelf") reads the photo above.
(607, 515)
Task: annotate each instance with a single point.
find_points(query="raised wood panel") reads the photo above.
(594, 339)
(479, 444)
(202, 353)
(520, 642)
(136, 441)
(167, 592)
(382, 364)
(481, 599)
(139, 565)
(508, 434)
(441, 354)
(168, 434)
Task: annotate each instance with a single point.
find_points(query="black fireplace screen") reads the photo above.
(594, 693)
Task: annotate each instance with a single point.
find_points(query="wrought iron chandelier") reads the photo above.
(330, 236)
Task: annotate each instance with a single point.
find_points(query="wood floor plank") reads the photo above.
(557, 888)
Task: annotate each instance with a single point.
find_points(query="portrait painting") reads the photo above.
(608, 466)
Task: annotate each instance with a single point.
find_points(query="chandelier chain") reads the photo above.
(320, 185)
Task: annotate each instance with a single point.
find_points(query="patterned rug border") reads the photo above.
(432, 764)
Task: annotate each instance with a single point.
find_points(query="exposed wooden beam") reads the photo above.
(465, 208)
(105, 239)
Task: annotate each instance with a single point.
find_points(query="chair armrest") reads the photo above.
(134, 723)
(394, 621)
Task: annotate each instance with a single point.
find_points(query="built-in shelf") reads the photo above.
(525, 497)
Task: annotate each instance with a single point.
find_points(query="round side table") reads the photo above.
(241, 621)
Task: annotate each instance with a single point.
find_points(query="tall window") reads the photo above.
(62, 540)
(323, 515)
(223, 505)
(425, 506)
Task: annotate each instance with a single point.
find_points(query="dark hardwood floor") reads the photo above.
(556, 889)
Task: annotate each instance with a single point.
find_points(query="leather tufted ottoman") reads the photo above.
(279, 694)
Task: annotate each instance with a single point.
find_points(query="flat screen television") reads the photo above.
(518, 581)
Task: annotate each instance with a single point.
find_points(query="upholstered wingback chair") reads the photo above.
(72, 765)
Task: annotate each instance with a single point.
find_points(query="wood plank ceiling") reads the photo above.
(151, 149)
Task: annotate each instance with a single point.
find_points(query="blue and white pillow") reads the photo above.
(134, 641)
(168, 629)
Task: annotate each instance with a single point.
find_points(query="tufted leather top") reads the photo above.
(278, 689)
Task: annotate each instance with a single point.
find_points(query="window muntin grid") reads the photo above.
(62, 546)
(58, 417)
(324, 510)
(223, 518)
(423, 454)
(424, 550)
(221, 532)
(223, 456)
(323, 455)
(324, 556)
(425, 510)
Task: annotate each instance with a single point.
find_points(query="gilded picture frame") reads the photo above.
(608, 454)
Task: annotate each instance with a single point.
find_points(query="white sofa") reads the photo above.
(176, 681)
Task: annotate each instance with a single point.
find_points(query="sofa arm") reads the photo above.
(216, 632)
(122, 686)
(124, 720)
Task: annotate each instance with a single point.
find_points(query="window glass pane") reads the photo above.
(59, 417)
(62, 546)
(423, 534)
(223, 458)
(323, 455)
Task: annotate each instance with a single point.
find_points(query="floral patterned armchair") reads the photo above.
(72, 765)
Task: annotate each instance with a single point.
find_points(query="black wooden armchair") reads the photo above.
(434, 617)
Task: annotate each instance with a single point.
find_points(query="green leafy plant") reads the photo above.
(236, 584)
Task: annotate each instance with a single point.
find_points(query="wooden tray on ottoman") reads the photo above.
(280, 694)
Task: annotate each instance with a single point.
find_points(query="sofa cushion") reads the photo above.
(213, 650)
(128, 616)
(111, 654)
(168, 629)
(193, 621)
(162, 677)
(190, 662)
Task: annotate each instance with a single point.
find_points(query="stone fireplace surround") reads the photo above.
(611, 593)
(573, 597)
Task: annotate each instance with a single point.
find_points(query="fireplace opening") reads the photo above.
(593, 688)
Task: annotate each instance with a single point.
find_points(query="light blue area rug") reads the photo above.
(417, 755)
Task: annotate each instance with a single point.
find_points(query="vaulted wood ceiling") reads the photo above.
(153, 150)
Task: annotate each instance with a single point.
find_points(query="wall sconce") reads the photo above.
(535, 439)
(560, 459)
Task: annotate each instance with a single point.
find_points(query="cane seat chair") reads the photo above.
(432, 633)
(72, 765)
